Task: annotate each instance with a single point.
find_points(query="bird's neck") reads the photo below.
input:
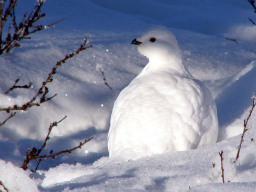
(172, 65)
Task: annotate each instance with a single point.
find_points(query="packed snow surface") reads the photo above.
(217, 43)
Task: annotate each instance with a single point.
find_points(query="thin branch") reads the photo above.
(104, 79)
(24, 28)
(41, 27)
(252, 21)
(40, 96)
(231, 39)
(7, 119)
(29, 156)
(8, 10)
(53, 156)
(37, 165)
(5, 188)
(54, 124)
(222, 168)
(252, 4)
(15, 86)
(245, 129)
(34, 154)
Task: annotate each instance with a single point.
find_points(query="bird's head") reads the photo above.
(158, 44)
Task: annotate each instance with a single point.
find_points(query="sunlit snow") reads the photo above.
(204, 31)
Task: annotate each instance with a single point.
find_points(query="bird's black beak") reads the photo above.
(135, 42)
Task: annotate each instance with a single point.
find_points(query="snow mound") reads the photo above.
(16, 179)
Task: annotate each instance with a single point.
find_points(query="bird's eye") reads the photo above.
(152, 39)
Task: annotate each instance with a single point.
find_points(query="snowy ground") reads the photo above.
(201, 28)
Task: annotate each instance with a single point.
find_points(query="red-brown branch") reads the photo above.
(53, 156)
(5, 188)
(245, 129)
(222, 168)
(252, 4)
(15, 86)
(7, 119)
(34, 154)
(41, 95)
(104, 79)
(18, 31)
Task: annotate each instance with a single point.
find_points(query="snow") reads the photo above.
(201, 28)
(16, 179)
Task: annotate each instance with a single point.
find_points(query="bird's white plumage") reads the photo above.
(164, 108)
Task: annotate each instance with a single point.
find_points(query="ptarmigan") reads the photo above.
(164, 108)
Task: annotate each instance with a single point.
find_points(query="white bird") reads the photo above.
(164, 108)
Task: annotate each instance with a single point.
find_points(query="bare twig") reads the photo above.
(30, 103)
(104, 79)
(34, 154)
(18, 31)
(252, 21)
(37, 165)
(40, 96)
(7, 119)
(231, 39)
(5, 188)
(252, 2)
(245, 129)
(54, 124)
(31, 154)
(15, 86)
(53, 156)
(222, 168)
